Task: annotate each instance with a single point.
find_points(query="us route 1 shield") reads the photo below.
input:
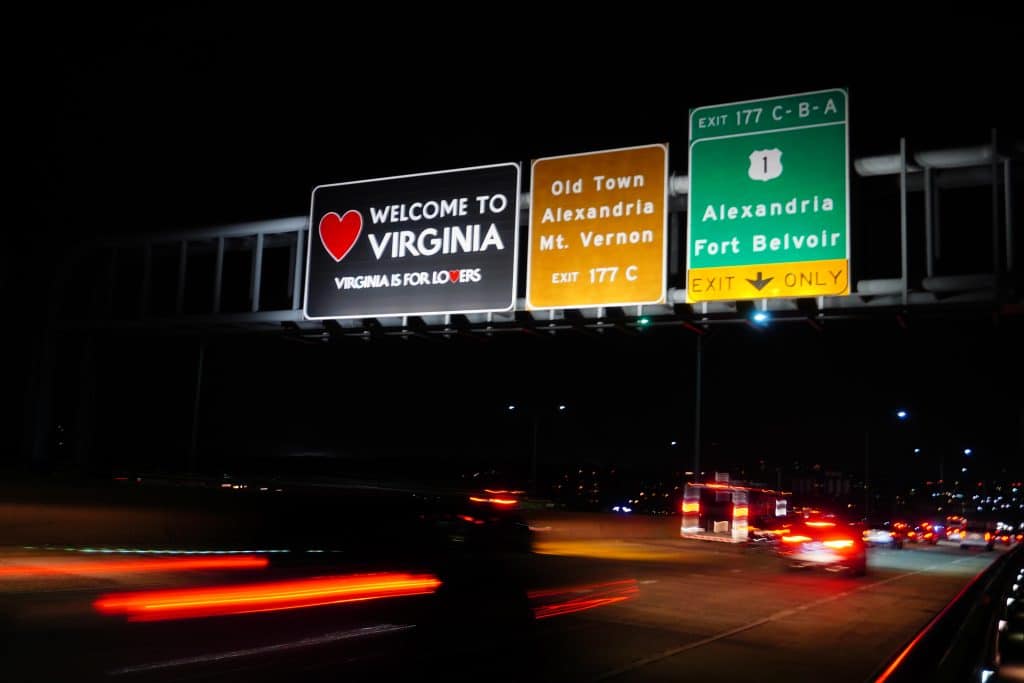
(429, 243)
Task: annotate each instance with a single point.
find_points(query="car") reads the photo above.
(885, 534)
(925, 532)
(835, 546)
(977, 536)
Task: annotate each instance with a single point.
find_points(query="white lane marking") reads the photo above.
(269, 649)
(760, 622)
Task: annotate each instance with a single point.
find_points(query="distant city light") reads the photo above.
(561, 406)
(917, 450)
(902, 414)
(963, 469)
(511, 407)
(673, 443)
(968, 451)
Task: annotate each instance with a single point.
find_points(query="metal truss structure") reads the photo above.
(249, 277)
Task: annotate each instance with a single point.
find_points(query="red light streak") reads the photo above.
(162, 564)
(576, 605)
(494, 501)
(839, 544)
(821, 524)
(186, 603)
(584, 588)
(596, 595)
(737, 487)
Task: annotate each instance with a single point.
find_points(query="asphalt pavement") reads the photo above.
(572, 610)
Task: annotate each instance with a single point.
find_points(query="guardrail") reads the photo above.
(978, 636)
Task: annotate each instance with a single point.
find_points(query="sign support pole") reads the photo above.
(697, 408)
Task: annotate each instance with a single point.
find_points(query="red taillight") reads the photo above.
(206, 601)
(821, 524)
(163, 564)
(988, 537)
(493, 501)
(796, 539)
(839, 544)
(691, 506)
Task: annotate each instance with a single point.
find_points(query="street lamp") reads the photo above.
(535, 416)
(902, 415)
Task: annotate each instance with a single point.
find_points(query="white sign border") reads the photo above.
(515, 245)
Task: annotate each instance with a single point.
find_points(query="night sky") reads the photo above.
(147, 121)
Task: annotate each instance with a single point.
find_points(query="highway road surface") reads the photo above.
(572, 610)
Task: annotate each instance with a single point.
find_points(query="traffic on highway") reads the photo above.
(447, 585)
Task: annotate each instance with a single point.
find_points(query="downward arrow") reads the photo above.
(759, 283)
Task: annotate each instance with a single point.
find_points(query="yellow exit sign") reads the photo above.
(597, 229)
(769, 281)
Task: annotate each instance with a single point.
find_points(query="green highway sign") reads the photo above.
(768, 207)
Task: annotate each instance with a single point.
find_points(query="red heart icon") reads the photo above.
(339, 233)
(453, 275)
